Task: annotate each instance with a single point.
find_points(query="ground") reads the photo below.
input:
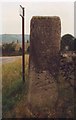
(65, 103)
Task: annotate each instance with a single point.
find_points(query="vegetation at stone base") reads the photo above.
(12, 85)
(65, 103)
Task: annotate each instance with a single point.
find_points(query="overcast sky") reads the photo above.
(11, 21)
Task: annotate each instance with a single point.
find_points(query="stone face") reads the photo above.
(45, 43)
(44, 62)
(43, 91)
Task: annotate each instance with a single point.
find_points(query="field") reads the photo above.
(13, 87)
(15, 92)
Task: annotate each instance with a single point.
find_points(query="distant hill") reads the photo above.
(8, 38)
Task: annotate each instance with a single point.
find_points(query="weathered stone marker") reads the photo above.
(44, 63)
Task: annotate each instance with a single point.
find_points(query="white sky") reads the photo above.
(11, 21)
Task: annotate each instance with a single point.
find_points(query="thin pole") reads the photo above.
(23, 49)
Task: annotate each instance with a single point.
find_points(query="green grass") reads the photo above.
(15, 92)
(13, 87)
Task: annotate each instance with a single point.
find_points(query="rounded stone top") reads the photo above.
(46, 17)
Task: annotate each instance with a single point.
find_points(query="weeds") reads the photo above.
(13, 88)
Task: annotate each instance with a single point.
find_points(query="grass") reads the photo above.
(13, 87)
(15, 93)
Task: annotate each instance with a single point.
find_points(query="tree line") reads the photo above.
(13, 48)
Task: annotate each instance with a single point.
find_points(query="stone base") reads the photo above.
(43, 91)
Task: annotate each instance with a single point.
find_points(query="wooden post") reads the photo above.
(23, 46)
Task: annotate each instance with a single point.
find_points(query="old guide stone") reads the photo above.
(44, 63)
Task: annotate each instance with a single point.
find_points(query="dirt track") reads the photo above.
(8, 59)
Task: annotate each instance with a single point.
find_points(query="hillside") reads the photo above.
(8, 38)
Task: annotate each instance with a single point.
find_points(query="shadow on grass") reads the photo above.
(13, 95)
